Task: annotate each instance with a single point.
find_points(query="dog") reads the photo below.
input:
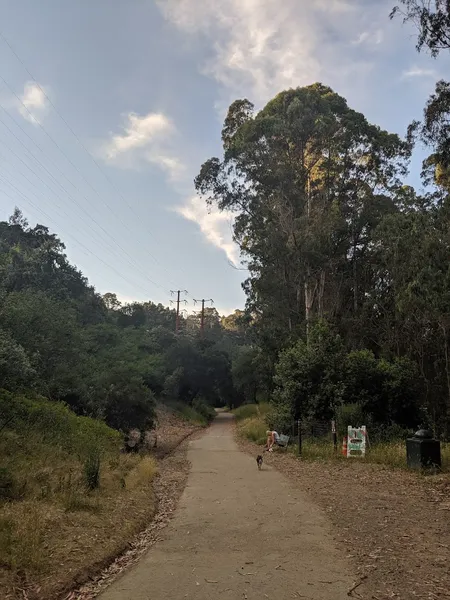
(259, 461)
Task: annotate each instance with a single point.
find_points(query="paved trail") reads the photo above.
(238, 533)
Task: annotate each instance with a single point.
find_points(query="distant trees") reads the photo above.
(61, 339)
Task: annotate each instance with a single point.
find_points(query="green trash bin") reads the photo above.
(422, 450)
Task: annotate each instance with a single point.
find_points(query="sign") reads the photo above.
(357, 437)
(333, 426)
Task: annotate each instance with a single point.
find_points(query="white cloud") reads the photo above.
(419, 72)
(369, 38)
(34, 104)
(138, 132)
(215, 225)
(148, 138)
(260, 47)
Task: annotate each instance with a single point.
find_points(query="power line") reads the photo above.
(47, 216)
(202, 318)
(177, 301)
(113, 186)
(70, 162)
(17, 190)
(73, 200)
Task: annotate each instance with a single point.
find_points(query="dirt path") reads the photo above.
(238, 534)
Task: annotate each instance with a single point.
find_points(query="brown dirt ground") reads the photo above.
(394, 525)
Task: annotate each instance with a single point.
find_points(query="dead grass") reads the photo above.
(142, 474)
(390, 454)
(54, 531)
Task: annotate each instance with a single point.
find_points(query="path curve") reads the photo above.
(238, 533)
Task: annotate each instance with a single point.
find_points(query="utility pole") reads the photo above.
(202, 320)
(177, 302)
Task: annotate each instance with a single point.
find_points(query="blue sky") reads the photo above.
(144, 85)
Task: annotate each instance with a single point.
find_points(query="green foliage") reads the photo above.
(106, 360)
(309, 377)
(246, 411)
(329, 232)
(15, 367)
(315, 380)
(200, 405)
(349, 414)
(251, 373)
(55, 424)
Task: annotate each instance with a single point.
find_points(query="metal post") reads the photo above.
(299, 437)
(333, 431)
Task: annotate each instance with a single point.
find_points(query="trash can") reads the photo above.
(422, 450)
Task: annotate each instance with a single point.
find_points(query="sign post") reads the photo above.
(357, 437)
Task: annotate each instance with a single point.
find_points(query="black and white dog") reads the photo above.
(259, 461)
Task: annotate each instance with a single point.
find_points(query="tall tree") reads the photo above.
(306, 177)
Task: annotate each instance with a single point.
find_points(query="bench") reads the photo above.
(283, 441)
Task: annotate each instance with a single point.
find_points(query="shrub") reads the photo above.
(246, 411)
(309, 376)
(203, 408)
(279, 417)
(349, 414)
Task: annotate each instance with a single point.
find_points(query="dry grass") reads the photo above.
(247, 411)
(392, 454)
(142, 474)
(60, 526)
(253, 429)
(54, 530)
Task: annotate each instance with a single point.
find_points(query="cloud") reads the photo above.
(369, 38)
(147, 138)
(215, 225)
(34, 104)
(259, 47)
(256, 48)
(419, 72)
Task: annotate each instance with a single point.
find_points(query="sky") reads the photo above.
(109, 108)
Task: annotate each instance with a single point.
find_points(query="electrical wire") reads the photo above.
(113, 186)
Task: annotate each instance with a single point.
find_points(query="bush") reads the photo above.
(349, 414)
(388, 392)
(187, 412)
(129, 404)
(279, 417)
(246, 411)
(55, 424)
(309, 376)
(204, 409)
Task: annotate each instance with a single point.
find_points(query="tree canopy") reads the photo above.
(331, 234)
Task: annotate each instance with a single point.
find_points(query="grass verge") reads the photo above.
(252, 426)
(68, 497)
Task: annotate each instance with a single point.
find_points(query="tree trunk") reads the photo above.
(309, 296)
(447, 372)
